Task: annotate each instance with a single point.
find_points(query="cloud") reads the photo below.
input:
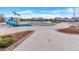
(63, 11)
(8, 15)
(37, 16)
(51, 11)
(68, 12)
(55, 11)
(44, 11)
(60, 11)
(45, 16)
(25, 12)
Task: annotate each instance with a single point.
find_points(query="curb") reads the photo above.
(10, 48)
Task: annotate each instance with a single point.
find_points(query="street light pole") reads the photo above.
(73, 15)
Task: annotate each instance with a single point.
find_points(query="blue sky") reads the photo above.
(44, 12)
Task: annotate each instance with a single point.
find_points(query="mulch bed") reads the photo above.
(17, 36)
(70, 30)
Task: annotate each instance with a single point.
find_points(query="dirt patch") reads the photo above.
(17, 37)
(70, 30)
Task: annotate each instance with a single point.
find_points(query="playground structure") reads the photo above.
(15, 21)
(12, 23)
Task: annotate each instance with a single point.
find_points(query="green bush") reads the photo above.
(5, 41)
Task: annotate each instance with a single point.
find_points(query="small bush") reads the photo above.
(5, 41)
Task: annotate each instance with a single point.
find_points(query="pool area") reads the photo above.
(41, 24)
(33, 24)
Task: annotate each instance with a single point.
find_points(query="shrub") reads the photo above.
(5, 41)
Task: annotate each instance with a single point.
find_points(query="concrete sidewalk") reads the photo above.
(49, 40)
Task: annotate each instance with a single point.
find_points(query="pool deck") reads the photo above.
(45, 38)
(9, 29)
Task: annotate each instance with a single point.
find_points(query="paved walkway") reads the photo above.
(48, 39)
(10, 30)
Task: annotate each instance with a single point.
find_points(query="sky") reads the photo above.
(43, 12)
